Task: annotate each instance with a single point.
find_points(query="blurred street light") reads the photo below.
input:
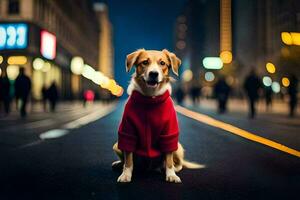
(187, 75)
(226, 57)
(88, 72)
(276, 87)
(286, 38)
(212, 63)
(46, 67)
(209, 76)
(290, 38)
(296, 38)
(270, 68)
(1, 59)
(0, 72)
(77, 65)
(12, 71)
(285, 82)
(267, 81)
(38, 63)
(17, 60)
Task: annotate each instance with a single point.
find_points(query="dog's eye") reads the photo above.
(162, 63)
(145, 62)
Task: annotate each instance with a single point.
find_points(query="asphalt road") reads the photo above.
(78, 166)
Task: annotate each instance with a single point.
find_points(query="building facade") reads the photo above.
(54, 32)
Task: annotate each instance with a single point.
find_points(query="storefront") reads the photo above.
(45, 61)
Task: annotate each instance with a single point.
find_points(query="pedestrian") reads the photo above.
(44, 97)
(195, 92)
(5, 97)
(252, 86)
(293, 91)
(52, 95)
(22, 90)
(179, 95)
(221, 92)
(268, 97)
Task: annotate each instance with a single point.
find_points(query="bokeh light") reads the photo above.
(226, 57)
(38, 63)
(276, 87)
(1, 59)
(12, 71)
(267, 81)
(209, 76)
(270, 68)
(187, 75)
(285, 82)
(212, 63)
(286, 38)
(77, 65)
(17, 60)
(295, 38)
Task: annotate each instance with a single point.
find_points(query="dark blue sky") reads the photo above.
(137, 24)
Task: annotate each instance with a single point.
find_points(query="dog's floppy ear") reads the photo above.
(175, 62)
(132, 58)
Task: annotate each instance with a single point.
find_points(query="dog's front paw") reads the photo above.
(173, 178)
(171, 175)
(124, 178)
(126, 175)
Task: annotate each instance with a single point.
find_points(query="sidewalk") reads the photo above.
(236, 107)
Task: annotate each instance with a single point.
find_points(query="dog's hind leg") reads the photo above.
(178, 157)
(119, 163)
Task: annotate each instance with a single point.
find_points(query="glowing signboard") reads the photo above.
(48, 45)
(212, 63)
(13, 36)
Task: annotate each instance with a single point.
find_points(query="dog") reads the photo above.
(149, 126)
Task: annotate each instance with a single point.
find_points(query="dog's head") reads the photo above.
(152, 67)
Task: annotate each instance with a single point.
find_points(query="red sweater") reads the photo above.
(149, 125)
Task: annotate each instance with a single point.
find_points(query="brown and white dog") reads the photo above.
(152, 79)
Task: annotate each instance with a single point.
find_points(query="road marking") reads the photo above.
(235, 130)
(55, 133)
(89, 118)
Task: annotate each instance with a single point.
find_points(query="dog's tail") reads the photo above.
(192, 165)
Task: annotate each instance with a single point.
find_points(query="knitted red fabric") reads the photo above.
(149, 125)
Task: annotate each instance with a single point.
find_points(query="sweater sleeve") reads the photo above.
(169, 137)
(127, 138)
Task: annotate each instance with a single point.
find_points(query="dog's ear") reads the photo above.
(132, 58)
(175, 62)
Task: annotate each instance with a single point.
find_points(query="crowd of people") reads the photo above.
(253, 90)
(20, 90)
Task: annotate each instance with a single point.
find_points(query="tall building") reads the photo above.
(43, 36)
(106, 51)
(257, 29)
(197, 34)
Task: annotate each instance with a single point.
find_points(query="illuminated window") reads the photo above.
(13, 7)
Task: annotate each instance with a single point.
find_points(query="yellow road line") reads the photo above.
(235, 130)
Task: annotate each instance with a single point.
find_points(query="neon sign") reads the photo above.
(13, 36)
(48, 45)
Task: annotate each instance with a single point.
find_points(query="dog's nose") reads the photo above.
(153, 75)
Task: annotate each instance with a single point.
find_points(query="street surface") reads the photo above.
(77, 164)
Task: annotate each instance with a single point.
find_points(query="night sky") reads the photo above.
(137, 24)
